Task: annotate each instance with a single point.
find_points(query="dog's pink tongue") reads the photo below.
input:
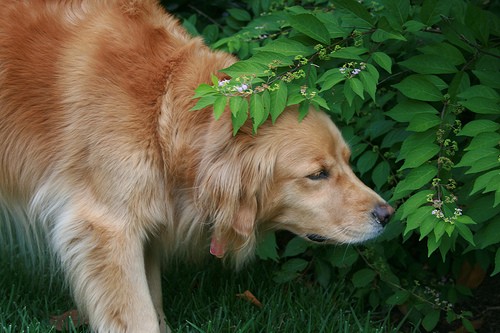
(217, 247)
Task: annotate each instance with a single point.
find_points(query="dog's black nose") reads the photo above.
(382, 213)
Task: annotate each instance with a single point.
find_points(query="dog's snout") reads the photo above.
(382, 213)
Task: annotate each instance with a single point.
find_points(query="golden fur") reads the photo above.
(99, 150)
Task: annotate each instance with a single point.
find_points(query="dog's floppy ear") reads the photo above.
(233, 174)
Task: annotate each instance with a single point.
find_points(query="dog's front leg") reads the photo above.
(104, 261)
(153, 260)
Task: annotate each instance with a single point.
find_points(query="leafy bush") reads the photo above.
(414, 88)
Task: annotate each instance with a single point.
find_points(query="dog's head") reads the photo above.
(291, 175)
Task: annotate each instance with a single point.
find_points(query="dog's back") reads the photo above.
(74, 75)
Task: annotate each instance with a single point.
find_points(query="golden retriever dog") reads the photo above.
(100, 152)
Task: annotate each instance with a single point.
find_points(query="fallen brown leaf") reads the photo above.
(471, 276)
(62, 322)
(247, 295)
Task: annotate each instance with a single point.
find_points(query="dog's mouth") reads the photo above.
(316, 238)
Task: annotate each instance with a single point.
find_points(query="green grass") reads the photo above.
(201, 299)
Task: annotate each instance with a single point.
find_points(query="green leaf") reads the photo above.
(350, 53)
(330, 78)
(493, 185)
(398, 298)
(488, 78)
(267, 248)
(489, 234)
(482, 105)
(190, 27)
(303, 109)
(398, 11)
(349, 93)
(479, 91)
(257, 112)
(357, 150)
(278, 100)
(356, 8)
(484, 164)
(439, 230)
(288, 47)
(363, 277)
(266, 57)
(388, 276)
(366, 161)
(215, 80)
(417, 217)
(219, 106)
(318, 101)
(294, 98)
(210, 33)
(432, 244)
(235, 103)
(296, 246)
(383, 60)
(332, 23)
(356, 86)
(476, 127)
(246, 67)
(378, 128)
(413, 26)
(369, 83)
(478, 22)
(415, 179)
(469, 327)
(417, 149)
(295, 265)
(464, 231)
(437, 81)
(240, 116)
(432, 10)
(415, 201)
(239, 14)
(427, 225)
(484, 140)
(204, 102)
(419, 87)
(458, 84)
(471, 158)
(483, 181)
(204, 90)
(381, 35)
(446, 241)
(266, 104)
(381, 174)
(373, 71)
(343, 256)
(309, 25)
(421, 122)
(429, 64)
(408, 109)
(431, 319)
(444, 51)
(464, 219)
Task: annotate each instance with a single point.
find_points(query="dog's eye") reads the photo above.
(322, 174)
